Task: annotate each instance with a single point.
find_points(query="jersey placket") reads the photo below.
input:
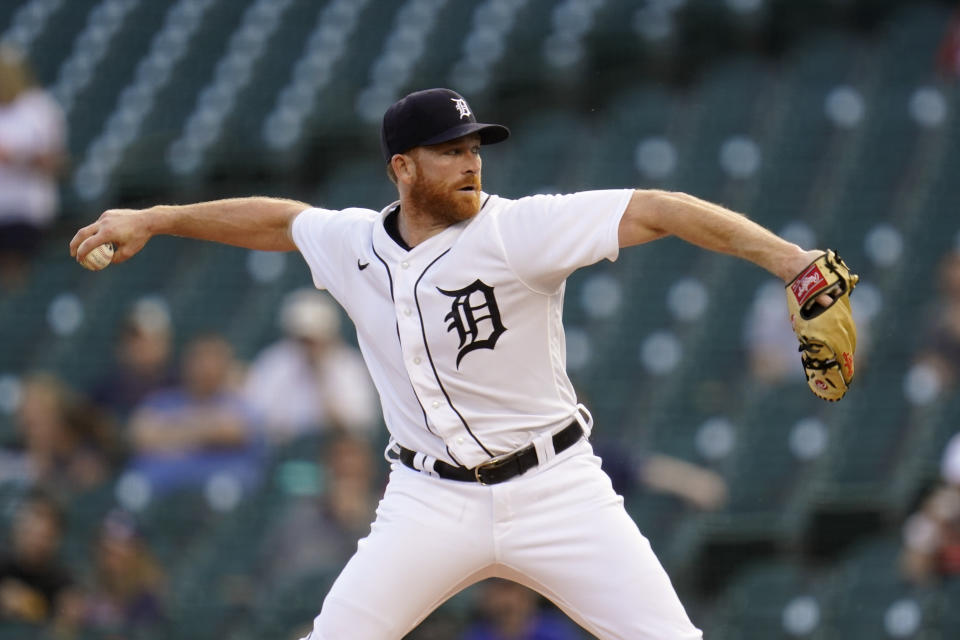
(443, 418)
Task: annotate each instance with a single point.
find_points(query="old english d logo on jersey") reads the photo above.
(475, 317)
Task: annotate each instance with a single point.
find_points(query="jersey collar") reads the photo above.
(384, 243)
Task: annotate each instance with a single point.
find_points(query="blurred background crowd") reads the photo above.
(190, 445)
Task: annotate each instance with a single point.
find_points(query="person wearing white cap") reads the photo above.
(311, 380)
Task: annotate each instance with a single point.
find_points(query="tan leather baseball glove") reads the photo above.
(827, 333)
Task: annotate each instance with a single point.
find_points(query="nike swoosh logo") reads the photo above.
(362, 265)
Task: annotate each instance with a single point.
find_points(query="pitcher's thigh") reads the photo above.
(589, 557)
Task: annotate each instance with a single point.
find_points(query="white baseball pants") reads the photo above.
(559, 529)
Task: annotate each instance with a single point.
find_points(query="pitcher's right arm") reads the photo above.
(254, 223)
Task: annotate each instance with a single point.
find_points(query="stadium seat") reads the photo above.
(776, 600)
(294, 605)
(869, 600)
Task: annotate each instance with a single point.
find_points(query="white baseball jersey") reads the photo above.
(463, 333)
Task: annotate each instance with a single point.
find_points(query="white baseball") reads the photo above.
(99, 257)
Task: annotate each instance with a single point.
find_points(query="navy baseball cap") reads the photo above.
(429, 117)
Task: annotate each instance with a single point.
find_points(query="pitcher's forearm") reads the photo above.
(653, 214)
(254, 223)
(719, 229)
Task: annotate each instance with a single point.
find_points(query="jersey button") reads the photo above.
(404, 264)
(460, 440)
(416, 360)
(435, 404)
(407, 312)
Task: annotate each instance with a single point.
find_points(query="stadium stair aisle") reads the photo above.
(52, 44)
(93, 103)
(247, 154)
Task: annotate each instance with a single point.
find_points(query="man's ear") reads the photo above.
(404, 167)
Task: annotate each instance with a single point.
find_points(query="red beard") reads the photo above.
(443, 202)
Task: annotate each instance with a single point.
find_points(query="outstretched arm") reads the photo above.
(254, 223)
(655, 214)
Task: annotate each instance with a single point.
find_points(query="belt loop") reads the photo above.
(426, 464)
(392, 451)
(544, 448)
(418, 460)
(585, 418)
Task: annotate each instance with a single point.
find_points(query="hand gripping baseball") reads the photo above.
(827, 333)
(127, 229)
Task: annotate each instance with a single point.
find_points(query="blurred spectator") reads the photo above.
(35, 588)
(769, 339)
(931, 536)
(940, 350)
(311, 381)
(142, 361)
(948, 55)
(32, 135)
(950, 465)
(509, 611)
(634, 470)
(318, 532)
(126, 596)
(186, 435)
(631, 473)
(67, 446)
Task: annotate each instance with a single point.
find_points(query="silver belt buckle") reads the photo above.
(492, 463)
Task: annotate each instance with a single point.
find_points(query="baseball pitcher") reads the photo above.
(457, 298)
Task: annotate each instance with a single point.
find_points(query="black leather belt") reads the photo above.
(501, 468)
